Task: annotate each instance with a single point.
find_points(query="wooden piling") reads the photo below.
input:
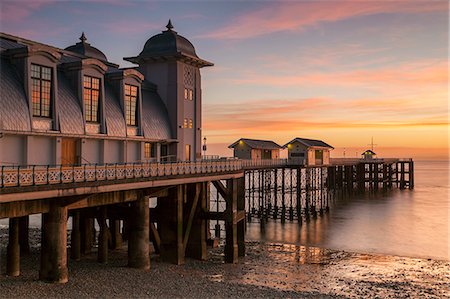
(171, 225)
(231, 246)
(75, 237)
(138, 244)
(102, 254)
(13, 249)
(24, 223)
(54, 245)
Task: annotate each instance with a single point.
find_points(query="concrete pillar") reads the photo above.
(75, 237)
(170, 226)
(116, 241)
(138, 244)
(102, 254)
(231, 246)
(24, 223)
(54, 245)
(87, 230)
(241, 208)
(196, 243)
(13, 249)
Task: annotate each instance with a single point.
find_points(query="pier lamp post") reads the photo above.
(204, 146)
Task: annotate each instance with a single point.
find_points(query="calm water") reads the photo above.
(407, 223)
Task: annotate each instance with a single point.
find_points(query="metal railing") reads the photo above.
(18, 176)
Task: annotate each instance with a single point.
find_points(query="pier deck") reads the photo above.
(117, 197)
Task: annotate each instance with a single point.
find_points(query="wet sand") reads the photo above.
(268, 270)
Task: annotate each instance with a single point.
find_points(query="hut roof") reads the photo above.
(309, 143)
(257, 144)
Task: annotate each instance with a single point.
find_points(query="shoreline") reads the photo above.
(268, 270)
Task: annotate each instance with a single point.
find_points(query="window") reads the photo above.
(91, 98)
(130, 104)
(188, 94)
(190, 124)
(41, 80)
(185, 123)
(149, 150)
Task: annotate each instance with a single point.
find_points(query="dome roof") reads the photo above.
(86, 49)
(166, 43)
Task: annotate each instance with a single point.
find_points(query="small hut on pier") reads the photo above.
(254, 149)
(302, 151)
(369, 155)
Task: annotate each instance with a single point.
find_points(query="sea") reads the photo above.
(411, 223)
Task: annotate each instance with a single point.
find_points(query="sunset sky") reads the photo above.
(341, 71)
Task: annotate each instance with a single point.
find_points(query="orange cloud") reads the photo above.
(422, 73)
(289, 16)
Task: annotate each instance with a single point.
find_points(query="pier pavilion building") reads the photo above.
(254, 149)
(303, 151)
(72, 106)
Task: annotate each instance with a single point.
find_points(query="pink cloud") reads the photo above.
(291, 16)
(17, 11)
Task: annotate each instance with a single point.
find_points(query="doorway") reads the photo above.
(69, 151)
(188, 152)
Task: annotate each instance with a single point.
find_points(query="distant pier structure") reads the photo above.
(85, 140)
(298, 192)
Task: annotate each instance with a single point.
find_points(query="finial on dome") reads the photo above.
(83, 38)
(169, 26)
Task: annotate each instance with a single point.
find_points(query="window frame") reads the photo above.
(41, 80)
(90, 89)
(127, 105)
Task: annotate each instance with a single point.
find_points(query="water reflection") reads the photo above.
(409, 223)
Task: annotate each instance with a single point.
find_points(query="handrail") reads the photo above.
(32, 175)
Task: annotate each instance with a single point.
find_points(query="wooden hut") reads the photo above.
(254, 149)
(302, 151)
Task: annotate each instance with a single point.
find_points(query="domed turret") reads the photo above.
(84, 48)
(169, 44)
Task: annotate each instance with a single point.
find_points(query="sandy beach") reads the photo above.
(268, 270)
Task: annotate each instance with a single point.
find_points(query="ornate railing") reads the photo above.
(18, 176)
(247, 164)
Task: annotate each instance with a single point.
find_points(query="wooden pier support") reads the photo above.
(116, 237)
(102, 254)
(138, 243)
(24, 223)
(194, 241)
(231, 246)
(54, 245)
(75, 237)
(13, 249)
(171, 225)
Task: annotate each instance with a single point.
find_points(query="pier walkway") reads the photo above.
(116, 196)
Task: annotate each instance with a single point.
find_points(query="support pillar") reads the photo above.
(24, 223)
(241, 223)
(13, 249)
(75, 238)
(171, 226)
(54, 245)
(139, 244)
(231, 246)
(102, 254)
(116, 237)
(195, 234)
